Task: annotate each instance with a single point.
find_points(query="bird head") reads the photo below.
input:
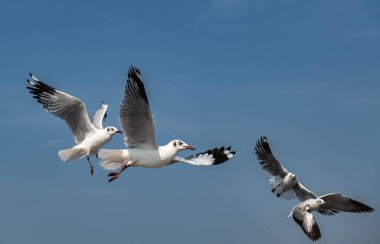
(181, 145)
(112, 130)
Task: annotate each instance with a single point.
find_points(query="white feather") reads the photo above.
(110, 159)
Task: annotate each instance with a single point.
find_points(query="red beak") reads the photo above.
(190, 147)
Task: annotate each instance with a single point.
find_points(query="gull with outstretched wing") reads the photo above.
(286, 185)
(136, 119)
(89, 135)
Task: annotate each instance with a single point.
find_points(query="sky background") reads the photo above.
(217, 72)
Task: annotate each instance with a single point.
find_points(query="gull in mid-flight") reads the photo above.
(136, 119)
(329, 203)
(286, 185)
(89, 135)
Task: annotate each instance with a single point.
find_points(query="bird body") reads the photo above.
(89, 135)
(137, 121)
(286, 185)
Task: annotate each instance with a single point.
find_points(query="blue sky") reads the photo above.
(222, 72)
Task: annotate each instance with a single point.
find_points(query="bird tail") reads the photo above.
(110, 159)
(275, 181)
(70, 154)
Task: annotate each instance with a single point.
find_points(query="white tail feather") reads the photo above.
(275, 181)
(288, 195)
(70, 154)
(110, 159)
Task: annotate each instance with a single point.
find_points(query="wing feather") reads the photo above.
(210, 157)
(267, 160)
(64, 106)
(136, 117)
(339, 203)
(99, 116)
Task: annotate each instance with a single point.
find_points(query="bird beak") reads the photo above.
(190, 147)
(119, 132)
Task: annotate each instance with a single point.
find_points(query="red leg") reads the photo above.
(114, 176)
(91, 167)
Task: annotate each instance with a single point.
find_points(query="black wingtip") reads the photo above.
(262, 147)
(135, 84)
(222, 154)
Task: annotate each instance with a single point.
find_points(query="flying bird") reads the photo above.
(281, 180)
(286, 185)
(330, 203)
(137, 122)
(89, 135)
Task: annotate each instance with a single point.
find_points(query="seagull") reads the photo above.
(333, 202)
(137, 122)
(281, 180)
(89, 135)
(286, 185)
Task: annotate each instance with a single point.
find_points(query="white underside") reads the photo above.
(135, 157)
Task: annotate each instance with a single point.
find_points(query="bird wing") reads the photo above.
(210, 157)
(64, 106)
(267, 160)
(99, 116)
(136, 117)
(306, 221)
(303, 193)
(339, 203)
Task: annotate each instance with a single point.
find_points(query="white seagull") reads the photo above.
(136, 119)
(89, 135)
(286, 185)
(329, 203)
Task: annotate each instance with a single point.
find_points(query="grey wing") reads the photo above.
(99, 116)
(303, 193)
(136, 117)
(306, 221)
(335, 203)
(267, 160)
(210, 157)
(64, 106)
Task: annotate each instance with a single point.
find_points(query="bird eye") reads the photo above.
(180, 143)
(175, 144)
(108, 129)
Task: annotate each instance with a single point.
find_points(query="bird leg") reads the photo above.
(91, 167)
(97, 156)
(114, 175)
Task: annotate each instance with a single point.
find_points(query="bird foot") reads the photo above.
(92, 170)
(114, 177)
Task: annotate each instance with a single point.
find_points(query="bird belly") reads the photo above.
(93, 143)
(145, 158)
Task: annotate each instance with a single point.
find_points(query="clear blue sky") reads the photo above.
(219, 72)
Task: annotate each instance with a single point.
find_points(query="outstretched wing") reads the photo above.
(303, 193)
(99, 116)
(210, 157)
(338, 203)
(306, 221)
(64, 106)
(136, 117)
(267, 160)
